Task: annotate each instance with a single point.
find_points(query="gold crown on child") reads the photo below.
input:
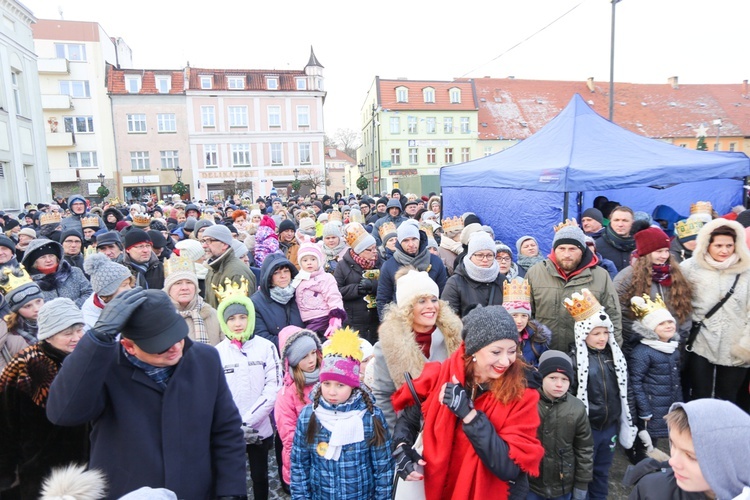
(231, 288)
(12, 278)
(516, 291)
(568, 222)
(582, 305)
(643, 306)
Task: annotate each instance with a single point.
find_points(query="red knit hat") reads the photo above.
(268, 222)
(650, 240)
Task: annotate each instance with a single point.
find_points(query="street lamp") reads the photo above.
(361, 168)
(178, 173)
(101, 179)
(717, 122)
(296, 173)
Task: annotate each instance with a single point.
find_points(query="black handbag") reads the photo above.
(697, 325)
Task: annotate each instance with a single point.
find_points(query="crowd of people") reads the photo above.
(377, 346)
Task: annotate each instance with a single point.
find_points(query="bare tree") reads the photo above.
(348, 141)
(329, 142)
(313, 179)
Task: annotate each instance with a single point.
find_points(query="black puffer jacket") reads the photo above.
(655, 481)
(463, 293)
(348, 275)
(603, 391)
(653, 382)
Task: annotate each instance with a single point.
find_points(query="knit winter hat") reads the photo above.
(157, 239)
(650, 313)
(190, 224)
(135, 237)
(71, 232)
(332, 229)
(8, 243)
(219, 232)
(593, 213)
(106, 275)
(286, 225)
(201, 224)
(570, 235)
(191, 248)
(407, 229)
(650, 240)
(22, 294)
(721, 439)
(520, 241)
(307, 224)
(481, 241)
(239, 248)
(57, 315)
(415, 284)
(552, 361)
(300, 347)
(233, 309)
(744, 218)
(27, 231)
(109, 238)
(310, 249)
(485, 325)
(503, 248)
(468, 230)
(341, 358)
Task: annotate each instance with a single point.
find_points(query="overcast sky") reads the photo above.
(698, 41)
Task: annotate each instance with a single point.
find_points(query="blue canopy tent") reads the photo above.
(579, 155)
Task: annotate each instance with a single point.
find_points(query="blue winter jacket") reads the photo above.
(362, 472)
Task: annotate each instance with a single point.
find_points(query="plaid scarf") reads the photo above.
(159, 375)
(661, 274)
(363, 263)
(193, 311)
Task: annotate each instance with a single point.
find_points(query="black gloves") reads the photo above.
(457, 400)
(365, 286)
(407, 461)
(116, 313)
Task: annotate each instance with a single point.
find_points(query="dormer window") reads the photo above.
(272, 83)
(206, 83)
(402, 94)
(428, 94)
(455, 95)
(235, 83)
(163, 84)
(133, 84)
(301, 84)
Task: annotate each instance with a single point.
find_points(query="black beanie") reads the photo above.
(552, 361)
(71, 232)
(7, 242)
(136, 236)
(157, 239)
(744, 218)
(286, 225)
(593, 213)
(471, 219)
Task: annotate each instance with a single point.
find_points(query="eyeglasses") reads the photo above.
(483, 256)
(207, 241)
(503, 259)
(143, 246)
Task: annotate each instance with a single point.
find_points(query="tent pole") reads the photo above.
(566, 199)
(579, 206)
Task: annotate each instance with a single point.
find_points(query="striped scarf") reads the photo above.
(193, 311)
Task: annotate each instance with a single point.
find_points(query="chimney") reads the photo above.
(590, 84)
(673, 82)
(332, 152)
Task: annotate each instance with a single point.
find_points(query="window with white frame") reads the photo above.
(272, 83)
(170, 160)
(428, 94)
(133, 84)
(412, 124)
(71, 51)
(241, 155)
(413, 156)
(402, 94)
(208, 116)
(277, 157)
(431, 125)
(237, 116)
(304, 153)
(396, 156)
(448, 155)
(274, 116)
(431, 154)
(448, 125)
(83, 159)
(465, 155)
(139, 161)
(15, 79)
(166, 122)
(465, 125)
(79, 124)
(732, 146)
(487, 150)
(206, 82)
(163, 84)
(395, 125)
(75, 88)
(301, 84)
(303, 116)
(455, 96)
(210, 155)
(137, 124)
(236, 82)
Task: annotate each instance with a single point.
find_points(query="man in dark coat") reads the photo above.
(616, 243)
(142, 261)
(161, 412)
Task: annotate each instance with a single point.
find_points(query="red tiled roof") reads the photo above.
(387, 95)
(255, 79)
(116, 80)
(340, 156)
(516, 109)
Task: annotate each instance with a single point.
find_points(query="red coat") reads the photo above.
(453, 470)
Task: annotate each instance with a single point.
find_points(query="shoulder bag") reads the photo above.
(411, 490)
(697, 325)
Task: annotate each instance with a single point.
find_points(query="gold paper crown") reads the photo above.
(453, 224)
(355, 232)
(568, 222)
(90, 222)
(356, 216)
(247, 203)
(582, 305)
(177, 264)
(687, 227)
(516, 291)
(89, 251)
(701, 207)
(231, 288)
(52, 218)
(207, 216)
(12, 278)
(141, 220)
(345, 343)
(642, 307)
(114, 201)
(427, 229)
(386, 228)
(335, 216)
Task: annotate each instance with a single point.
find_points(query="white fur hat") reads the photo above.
(415, 283)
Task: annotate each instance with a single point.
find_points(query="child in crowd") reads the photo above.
(318, 298)
(532, 335)
(253, 374)
(24, 299)
(654, 370)
(341, 446)
(266, 240)
(565, 433)
(601, 383)
(333, 245)
(301, 356)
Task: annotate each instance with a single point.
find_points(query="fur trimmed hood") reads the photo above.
(648, 334)
(400, 349)
(740, 248)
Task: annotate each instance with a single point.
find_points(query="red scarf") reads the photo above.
(424, 341)
(363, 263)
(453, 470)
